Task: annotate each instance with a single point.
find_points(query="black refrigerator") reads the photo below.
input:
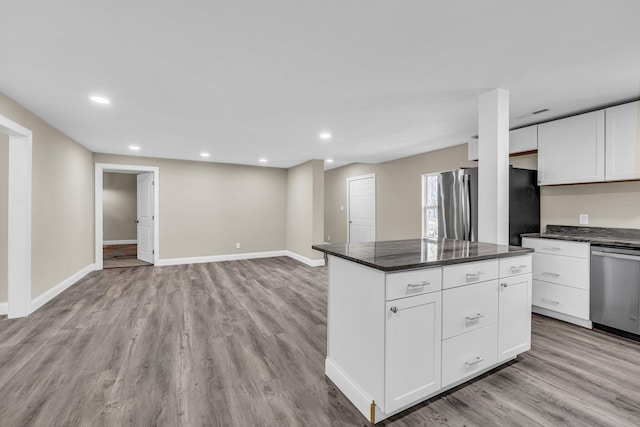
(451, 205)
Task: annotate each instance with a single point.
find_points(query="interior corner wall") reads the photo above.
(119, 200)
(206, 207)
(305, 208)
(62, 233)
(4, 211)
(398, 192)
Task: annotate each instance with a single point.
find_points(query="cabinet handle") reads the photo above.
(472, 318)
(515, 268)
(474, 276)
(551, 248)
(549, 301)
(474, 361)
(418, 285)
(394, 309)
(546, 273)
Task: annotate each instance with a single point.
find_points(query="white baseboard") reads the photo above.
(235, 257)
(217, 258)
(119, 242)
(4, 308)
(303, 259)
(41, 300)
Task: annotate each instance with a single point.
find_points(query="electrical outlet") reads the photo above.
(341, 207)
(583, 219)
(238, 245)
(328, 237)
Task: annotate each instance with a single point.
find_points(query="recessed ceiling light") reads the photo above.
(204, 154)
(262, 160)
(134, 148)
(100, 99)
(329, 160)
(325, 135)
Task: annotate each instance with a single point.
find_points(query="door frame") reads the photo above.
(375, 206)
(101, 168)
(18, 218)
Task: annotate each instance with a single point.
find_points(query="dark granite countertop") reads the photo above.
(397, 255)
(604, 236)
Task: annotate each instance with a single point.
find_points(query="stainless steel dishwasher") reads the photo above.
(615, 289)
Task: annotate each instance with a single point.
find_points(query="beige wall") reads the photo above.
(398, 192)
(4, 189)
(305, 208)
(611, 204)
(119, 200)
(205, 208)
(62, 201)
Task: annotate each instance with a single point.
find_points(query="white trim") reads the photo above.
(561, 316)
(101, 168)
(375, 207)
(235, 257)
(217, 258)
(50, 294)
(119, 242)
(19, 217)
(4, 308)
(303, 259)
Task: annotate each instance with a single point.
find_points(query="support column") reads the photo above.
(493, 167)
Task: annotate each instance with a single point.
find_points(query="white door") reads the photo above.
(361, 209)
(146, 217)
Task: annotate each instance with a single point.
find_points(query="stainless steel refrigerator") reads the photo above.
(451, 204)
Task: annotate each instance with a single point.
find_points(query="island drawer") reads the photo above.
(413, 282)
(563, 270)
(563, 299)
(466, 354)
(558, 247)
(515, 265)
(468, 273)
(467, 308)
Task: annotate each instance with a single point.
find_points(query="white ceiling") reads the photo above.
(255, 78)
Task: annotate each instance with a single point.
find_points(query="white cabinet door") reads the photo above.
(623, 142)
(514, 316)
(571, 150)
(413, 349)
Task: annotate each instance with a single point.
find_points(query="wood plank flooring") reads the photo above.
(242, 343)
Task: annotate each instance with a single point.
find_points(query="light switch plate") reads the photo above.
(583, 219)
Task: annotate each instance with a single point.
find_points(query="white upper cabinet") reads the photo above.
(571, 150)
(523, 139)
(520, 141)
(623, 142)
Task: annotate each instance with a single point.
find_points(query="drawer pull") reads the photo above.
(515, 268)
(472, 318)
(546, 273)
(474, 361)
(474, 276)
(418, 285)
(550, 301)
(551, 248)
(394, 309)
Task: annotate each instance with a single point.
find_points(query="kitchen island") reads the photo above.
(410, 319)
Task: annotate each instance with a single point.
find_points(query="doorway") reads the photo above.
(361, 208)
(139, 245)
(18, 219)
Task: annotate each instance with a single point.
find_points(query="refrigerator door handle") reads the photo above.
(466, 207)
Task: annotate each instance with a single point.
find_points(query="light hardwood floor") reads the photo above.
(242, 343)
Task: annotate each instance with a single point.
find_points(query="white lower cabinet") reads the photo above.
(397, 339)
(514, 316)
(412, 367)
